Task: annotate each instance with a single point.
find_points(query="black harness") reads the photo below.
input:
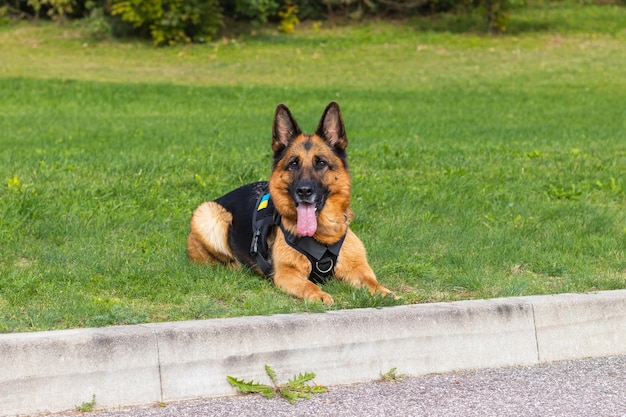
(323, 258)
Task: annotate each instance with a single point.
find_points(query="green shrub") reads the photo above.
(497, 13)
(59, 9)
(256, 10)
(96, 24)
(181, 21)
(356, 9)
(55, 9)
(288, 17)
(171, 21)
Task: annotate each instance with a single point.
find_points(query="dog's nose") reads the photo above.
(304, 191)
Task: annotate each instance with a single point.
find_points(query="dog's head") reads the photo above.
(310, 183)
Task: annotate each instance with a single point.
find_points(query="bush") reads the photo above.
(59, 9)
(288, 17)
(171, 21)
(96, 24)
(256, 10)
(180, 21)
(497, 13)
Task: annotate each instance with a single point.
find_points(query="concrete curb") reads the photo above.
(127, 365)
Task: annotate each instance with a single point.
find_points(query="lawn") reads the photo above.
(482, 166)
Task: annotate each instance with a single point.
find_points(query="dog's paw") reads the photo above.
(384, 292)
(321, 296)
(327, 299)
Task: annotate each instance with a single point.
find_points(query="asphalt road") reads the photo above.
(582, 388)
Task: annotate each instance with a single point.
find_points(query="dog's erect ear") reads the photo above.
(331, 127)
(285, 128)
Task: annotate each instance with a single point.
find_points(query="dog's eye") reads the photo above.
(294, 164)
(320, 163)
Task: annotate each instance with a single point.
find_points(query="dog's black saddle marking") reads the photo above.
(323, 258)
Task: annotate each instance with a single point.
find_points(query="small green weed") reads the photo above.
(296, 388)
(88, 406)
(392, 376)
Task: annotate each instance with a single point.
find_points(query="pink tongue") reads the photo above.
(307, 223)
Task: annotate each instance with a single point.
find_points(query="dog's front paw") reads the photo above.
(379, 289)
(384, 291)
(327, 299)
(320, 296)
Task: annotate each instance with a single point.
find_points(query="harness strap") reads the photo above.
(264, 218)
(323, 258)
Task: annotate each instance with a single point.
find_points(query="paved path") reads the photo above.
(581, 388)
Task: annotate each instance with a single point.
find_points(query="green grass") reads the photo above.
(482, 166)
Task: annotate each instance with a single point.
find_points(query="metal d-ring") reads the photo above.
(330, 268)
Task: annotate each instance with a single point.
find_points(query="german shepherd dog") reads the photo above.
(310, 189)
